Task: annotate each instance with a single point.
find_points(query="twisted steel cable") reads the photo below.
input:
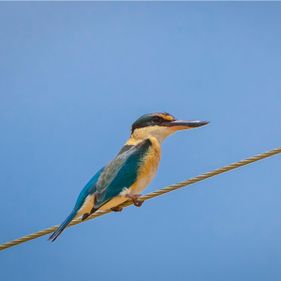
(151, 195)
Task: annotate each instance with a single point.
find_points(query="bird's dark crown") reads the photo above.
(152, 119)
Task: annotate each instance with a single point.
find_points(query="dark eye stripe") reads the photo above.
(158, 119)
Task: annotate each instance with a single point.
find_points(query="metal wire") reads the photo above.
(149, 195)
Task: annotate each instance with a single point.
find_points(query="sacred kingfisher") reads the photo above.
(128, 174)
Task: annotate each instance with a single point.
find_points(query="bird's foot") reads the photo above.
(135, 199)
(117, 209)
(85, 216)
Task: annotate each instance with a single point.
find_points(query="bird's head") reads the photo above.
(161, 125)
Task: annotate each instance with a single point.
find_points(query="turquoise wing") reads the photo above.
(120, 173)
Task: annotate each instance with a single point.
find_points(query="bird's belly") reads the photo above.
(87, 205)
(141, 183)
(114, 202)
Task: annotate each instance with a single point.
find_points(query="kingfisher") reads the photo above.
(130, 172)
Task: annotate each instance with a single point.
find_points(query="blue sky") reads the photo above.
(74, 76)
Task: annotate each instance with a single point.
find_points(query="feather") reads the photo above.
(61, 228)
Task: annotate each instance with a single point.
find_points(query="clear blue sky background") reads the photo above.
(74, 76)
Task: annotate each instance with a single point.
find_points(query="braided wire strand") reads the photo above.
(149, 196)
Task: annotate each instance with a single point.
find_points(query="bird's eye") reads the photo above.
(157, 119)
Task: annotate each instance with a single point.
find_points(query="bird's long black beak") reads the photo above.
(182, 124)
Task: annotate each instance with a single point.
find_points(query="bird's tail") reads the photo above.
(61, 228)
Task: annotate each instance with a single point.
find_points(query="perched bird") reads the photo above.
(127, 175)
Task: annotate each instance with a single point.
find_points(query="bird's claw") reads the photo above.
(84, 216)
(138, 203)
(135, 199)
(116, 209)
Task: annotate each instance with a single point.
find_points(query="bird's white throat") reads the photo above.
(158, 132)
